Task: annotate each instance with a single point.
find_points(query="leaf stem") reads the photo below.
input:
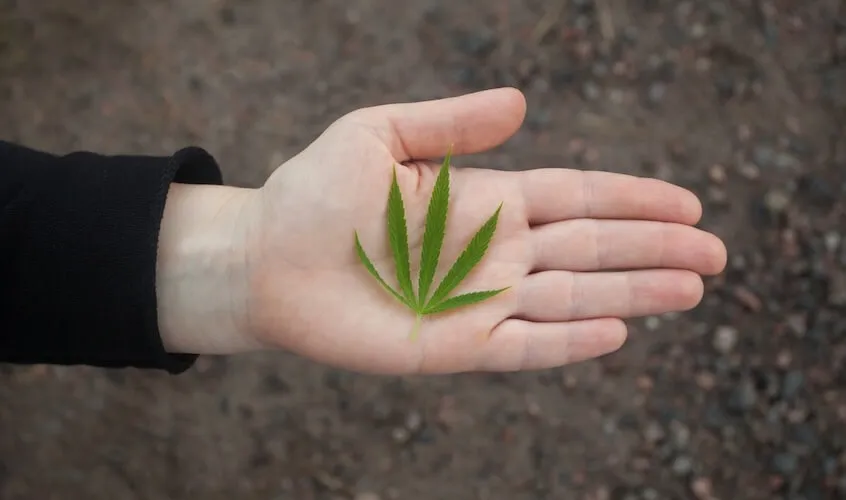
(415, 330)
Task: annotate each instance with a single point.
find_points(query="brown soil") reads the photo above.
(743, 101)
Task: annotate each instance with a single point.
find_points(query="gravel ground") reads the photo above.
(742, 101)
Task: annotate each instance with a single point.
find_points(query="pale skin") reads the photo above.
(275, 267)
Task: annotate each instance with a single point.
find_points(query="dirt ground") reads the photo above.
(742, 101)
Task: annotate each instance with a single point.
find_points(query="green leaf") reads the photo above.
(468, 259)
(462, 300)
(370, 267)
(398, 234)
(433, 237)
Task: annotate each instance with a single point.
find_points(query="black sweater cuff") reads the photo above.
(78, 248)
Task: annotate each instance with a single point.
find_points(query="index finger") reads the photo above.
(553, 194)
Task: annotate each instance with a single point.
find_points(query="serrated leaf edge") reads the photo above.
(398, 237)
(457, 274)
(443, 307)
(435, 230)
(368, 264)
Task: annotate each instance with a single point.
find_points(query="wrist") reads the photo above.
(201, 278)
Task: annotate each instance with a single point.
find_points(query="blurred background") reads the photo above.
(742, 101)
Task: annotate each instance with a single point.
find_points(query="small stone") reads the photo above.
(797, 324)
(649, 494)
(763, 156)
(717, 196)
(832, 241)
(400, 435)
(367, 496)
(644, 383)
(717, 173)
(591, 91)
(748, 298)
(706, 380)
(697, 30)
(532, 407)
(725, 339)
(786, 161)
(776, 201)
(784, 359)
(654, 433)
(656, 92)
(680, 434)
(577, 146)
(750, 171)
(743, 397)
(792, 384)
(413, 421)
(702, 489)
(652, 323)
(682, 465)
(785, 463)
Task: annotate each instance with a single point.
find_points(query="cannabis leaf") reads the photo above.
(433, 237)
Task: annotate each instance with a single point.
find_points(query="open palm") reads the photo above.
(579, 251)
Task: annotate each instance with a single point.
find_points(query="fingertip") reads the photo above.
(517, 100)
(616, 334)
(691, 207)
(691, 290)
(718, 256)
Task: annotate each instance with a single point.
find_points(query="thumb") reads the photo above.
(469, 123)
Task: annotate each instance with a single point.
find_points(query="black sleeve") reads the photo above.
(78, 246)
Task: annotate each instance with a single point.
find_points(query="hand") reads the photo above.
(581, 251)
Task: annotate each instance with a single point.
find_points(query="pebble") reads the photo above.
(367, 496)
(654, 432)
(725, 339)
(649, 494)
(652, 323)
(656, 92)
(776, 200)
(682, 465)
(717, 196)
(717, 173)
(591, 91)
(680, 434)
(400, 435)
(785, 463)
(832, 241)
(797, 324)
(743, 397)
(750, 171)
(792, 384)
(748, 298)
(413, 421)
(706, 380)
(702, 489)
